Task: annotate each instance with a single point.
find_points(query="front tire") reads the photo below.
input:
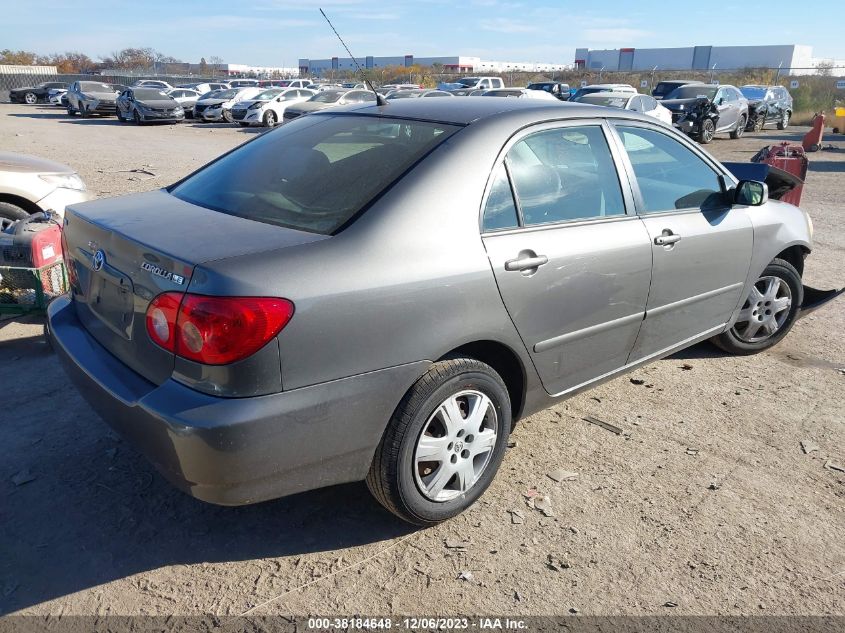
(270, 119)
(444, 443)
(227, 117)
(739, 130)
(768, 313)
(11, 213)
(137, 118)
(707, 132)
(784, 121)
(70, 110)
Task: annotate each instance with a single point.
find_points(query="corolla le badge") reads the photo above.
(163, 273)
(99, 260)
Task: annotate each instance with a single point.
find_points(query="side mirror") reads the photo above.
(751, 193)
(720, 101)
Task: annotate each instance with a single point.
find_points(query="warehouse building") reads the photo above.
(790, 58)
(454, 64)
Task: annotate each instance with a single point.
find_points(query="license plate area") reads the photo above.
(112, 300)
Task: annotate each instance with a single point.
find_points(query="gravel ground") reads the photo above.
(705, 501)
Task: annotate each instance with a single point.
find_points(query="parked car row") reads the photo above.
(698, 109)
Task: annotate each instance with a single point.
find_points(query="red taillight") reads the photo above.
(215, 330)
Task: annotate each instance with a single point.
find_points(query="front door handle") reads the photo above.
(667, 239)
(527, 260)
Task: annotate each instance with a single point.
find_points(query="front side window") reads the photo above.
(670, 175)
(565, 174)
(314, 174)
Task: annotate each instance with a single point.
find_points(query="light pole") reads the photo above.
(601, 70)
(653, 70)
(711, 73)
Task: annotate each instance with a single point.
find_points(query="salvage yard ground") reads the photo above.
(705, 501)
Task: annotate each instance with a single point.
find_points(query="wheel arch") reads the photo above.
(26, 205)
(795, 255)
(505, 361)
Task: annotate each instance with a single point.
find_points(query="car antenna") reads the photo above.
(380, 100)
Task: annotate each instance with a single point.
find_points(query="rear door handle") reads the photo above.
(666, 239)
(526, 263)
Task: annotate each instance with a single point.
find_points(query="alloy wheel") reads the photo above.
(765, 311)
(270, 118)
(30, 98)
(455, 446)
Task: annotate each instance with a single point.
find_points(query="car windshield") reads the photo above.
(546, 87)
(467, 81)
(753, 92)
(225, 94)
(327, 97)
(315, 173)
(149, 93)
(693, 92)
(267, 94)
(402, 94)
(94, 86)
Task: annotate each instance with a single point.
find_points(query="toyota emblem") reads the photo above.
(99, 260)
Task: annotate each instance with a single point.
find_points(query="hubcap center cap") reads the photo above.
(459, 446)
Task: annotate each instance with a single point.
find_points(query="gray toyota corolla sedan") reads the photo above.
(310, 309)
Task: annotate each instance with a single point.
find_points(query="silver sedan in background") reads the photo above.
(309, 310)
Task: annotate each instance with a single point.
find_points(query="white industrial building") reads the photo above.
(792, 59)
(455, 63)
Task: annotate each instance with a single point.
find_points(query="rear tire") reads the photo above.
(760, 324)
(466, 447)
(11, 213)
(739, 130)
(31, 98)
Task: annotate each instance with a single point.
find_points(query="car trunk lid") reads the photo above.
(128, 250)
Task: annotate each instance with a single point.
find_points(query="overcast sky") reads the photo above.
(279, 32)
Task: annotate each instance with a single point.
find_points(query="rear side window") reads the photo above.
(565, 174)
(500, 210)
(313, 174)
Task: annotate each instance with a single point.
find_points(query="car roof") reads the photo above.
(469, 110)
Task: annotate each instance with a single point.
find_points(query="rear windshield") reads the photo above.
(315, 173)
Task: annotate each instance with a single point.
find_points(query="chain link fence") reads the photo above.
(39, 74)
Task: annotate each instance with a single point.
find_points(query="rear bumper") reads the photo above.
(234, 451)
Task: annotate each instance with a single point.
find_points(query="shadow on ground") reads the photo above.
(96, 511)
